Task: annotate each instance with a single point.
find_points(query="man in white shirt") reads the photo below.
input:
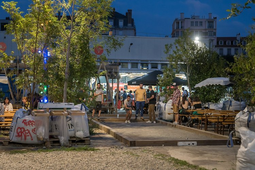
(99, 100)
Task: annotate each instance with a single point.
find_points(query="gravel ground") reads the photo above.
(105, 158)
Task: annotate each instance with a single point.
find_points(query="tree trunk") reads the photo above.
(108, 85)
(188, 72)
(67, 69)
(9, 85)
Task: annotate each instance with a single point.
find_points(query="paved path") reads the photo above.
(210, 157)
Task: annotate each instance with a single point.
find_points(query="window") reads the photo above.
(121, 23)
(192, 23)
(200, 23)
(234, 42)
(181, 33)
(220, 42)
(228, 42)
(3, 26)
(124, 65)
(236, 51)
(210, 24)
(229, 51)
(221, 51)
(196, 23)
(154, 65)
(111, 22)
(181, 25)
(164, 65)
(244, 52)
(177, 34)
(177, 25)
(134, 65)
(144, 66)
(120, 32)
(210, 33)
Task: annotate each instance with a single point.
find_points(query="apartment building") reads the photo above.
(200, 26)
(122, 25)
(230, 46)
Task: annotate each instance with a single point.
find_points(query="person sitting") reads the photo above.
(7, 105)
(185, 103)
(195, 103)
(26, 103)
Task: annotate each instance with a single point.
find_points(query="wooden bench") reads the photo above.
(8, 116)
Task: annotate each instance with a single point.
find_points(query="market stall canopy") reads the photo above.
(179, 81)
(224, 81)
(148, 79)
(152, 79)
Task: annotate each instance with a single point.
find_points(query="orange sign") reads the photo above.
(2, 46)
(99, 50)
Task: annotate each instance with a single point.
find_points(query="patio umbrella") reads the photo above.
(224, 81)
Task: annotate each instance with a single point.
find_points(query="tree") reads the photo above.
(243, 70)
(35, 31)
(69, 30)
(244, 65)
(196, 62)
(237, 9)
(88, 18)
(5, 62)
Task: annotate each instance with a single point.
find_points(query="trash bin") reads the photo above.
(59, 126)
(79, 121)
(41, 118)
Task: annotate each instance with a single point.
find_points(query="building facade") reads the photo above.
(230, 46)
(122, 25)
(200, 26)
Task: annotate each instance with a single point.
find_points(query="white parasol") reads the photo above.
(214, 81)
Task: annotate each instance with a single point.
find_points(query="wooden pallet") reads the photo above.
(5, 140)
(79, 141)
(72, 141)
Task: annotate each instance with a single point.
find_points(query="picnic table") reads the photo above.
(220, 118)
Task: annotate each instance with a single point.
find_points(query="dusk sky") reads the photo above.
(155, 17)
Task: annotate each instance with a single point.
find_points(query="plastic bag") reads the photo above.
(59, 128)
(246, 153)
(23, 130)
(245, 118)
(42, 127)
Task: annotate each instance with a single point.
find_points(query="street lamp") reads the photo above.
(196, 40)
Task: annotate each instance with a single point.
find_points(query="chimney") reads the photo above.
(182, 15)
(238, 37)
(129, 17)
(210, 15)
(113, 12)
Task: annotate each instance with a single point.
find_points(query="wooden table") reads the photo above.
(214, 116)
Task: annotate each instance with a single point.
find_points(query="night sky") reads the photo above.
(155, 17)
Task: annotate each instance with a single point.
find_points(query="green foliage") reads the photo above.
(237, 9)
(212, 93)
(243, 70)
(197, 62)
(79, 149)
(70, 38)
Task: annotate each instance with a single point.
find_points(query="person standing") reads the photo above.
(124, 96)
(140, 98)
(176, 102)
(152, 102)
(128, 108)
(99, 100)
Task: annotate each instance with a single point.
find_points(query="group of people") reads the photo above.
(141, 97)
(183, 101)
